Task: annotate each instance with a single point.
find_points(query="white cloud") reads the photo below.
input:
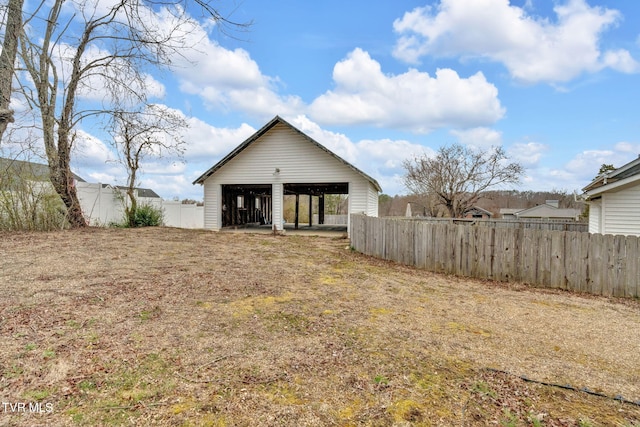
(387, 155)
(229, 79)
(170, 186)
(413, 100)
(166, 168)
(481, 137)
(627, 147)
(91, 151)
(104, 177)
(206, 143)
(381, 159)
(338, 143)
(533, 49)
(528, 154)
(579, 171)
(587, 163)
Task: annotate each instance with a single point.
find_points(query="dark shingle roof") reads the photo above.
(142, 192)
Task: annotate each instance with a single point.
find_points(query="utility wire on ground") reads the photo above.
(619, 398)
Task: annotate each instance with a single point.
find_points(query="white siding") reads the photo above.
(212, 212)
(595, 209)
(621, 212)
(358, 196)
(372, 208)
(297, 160)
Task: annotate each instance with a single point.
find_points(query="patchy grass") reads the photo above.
(177, 327)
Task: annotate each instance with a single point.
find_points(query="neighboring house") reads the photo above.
(249, 184)
(547, 211)
(614, 201)
(10, 169)
(477, 212)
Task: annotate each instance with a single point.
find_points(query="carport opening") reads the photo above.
(326, 204)
(245, 204)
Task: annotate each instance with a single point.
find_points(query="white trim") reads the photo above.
(613, 185)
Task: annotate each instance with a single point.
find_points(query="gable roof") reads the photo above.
(35, 171)
(142, 192)
(478, 209)
(548, 211)
(266, 128)
(624, 175)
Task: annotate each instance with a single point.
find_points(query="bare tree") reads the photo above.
(142, 135)
(110, 44)
(13, 27)
(458, 175)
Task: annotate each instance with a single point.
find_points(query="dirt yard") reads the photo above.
(177, 327)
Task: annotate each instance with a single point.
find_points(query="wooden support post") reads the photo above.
(310, 210)
(297, 210)
(321, 209)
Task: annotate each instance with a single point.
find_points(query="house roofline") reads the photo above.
(277, 119)
(7, 163)
(603, 178)
(612, 186)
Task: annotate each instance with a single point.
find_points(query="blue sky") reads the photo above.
(556, 83)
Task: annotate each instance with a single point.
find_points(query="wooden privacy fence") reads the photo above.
(577, 261)
(529, 223)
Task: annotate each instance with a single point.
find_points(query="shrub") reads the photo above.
(28, 205)
(148, 216)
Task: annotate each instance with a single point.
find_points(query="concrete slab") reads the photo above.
(289, 229)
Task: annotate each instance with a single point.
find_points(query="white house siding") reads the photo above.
(622, 212)
(372, 205)
(212, 197)
(595, 209)
(358, 196)
(297, 160)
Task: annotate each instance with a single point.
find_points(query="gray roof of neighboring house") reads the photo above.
(142, 192)
(548, 211)
(262, 131)
(35, 171)
(479, 210)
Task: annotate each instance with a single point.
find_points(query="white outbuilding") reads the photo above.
(249, 184)
(614, 201)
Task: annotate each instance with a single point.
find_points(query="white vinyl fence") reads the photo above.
(103, 205)
(330, 219)
(179, 215)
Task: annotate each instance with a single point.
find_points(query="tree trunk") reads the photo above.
(63, 181)
(7, 61)
(133, 207)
